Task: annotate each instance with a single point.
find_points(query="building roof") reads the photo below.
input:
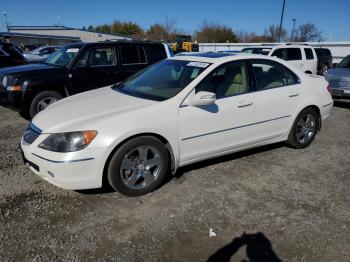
(39, 35)
(55, 28)
(29, 27)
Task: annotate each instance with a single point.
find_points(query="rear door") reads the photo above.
(96, 67)
(296, 57)
(132, 59)
(277, 94)
(311, 60)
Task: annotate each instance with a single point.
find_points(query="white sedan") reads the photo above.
(179, 111)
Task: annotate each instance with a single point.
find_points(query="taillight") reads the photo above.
(329, 88)
(19, 61)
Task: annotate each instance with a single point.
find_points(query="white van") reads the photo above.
(302, 56)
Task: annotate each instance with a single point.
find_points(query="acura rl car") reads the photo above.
(176, 112)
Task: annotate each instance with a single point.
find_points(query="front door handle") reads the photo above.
(293, 94)
(245, 104)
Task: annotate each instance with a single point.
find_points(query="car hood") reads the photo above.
(86, 110)
(31, 69)
(338, 73)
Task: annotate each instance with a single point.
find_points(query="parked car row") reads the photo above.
(74, 69)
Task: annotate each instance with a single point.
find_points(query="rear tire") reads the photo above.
(323, 70)
(139, 166)
(304, 129)
(42, 100)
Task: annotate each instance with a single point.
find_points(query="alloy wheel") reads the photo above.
(45, 102)
(306, 128)
(140, 167)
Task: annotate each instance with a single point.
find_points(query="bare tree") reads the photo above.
(271, 33)
(307, 32)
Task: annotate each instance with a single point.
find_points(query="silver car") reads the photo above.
(339, 80)
(40, 54)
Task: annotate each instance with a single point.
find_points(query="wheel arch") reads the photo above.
(158, 136)
(318, 112)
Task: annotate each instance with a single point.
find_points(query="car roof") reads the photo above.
(219, 58)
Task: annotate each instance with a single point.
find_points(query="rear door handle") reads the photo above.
(293, 94)
(245, 104)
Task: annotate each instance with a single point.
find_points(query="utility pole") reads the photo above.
(291, 39)
(281, 22)
(6, 23)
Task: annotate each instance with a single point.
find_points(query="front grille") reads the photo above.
(31, 134)
(340, 83)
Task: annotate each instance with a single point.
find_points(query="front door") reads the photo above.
(96, 68)
(208, 130)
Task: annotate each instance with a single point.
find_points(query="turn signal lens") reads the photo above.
(89, 136)
(14, 88)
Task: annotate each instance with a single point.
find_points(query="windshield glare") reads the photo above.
(64, 56)
(345, 63)
(163, 80)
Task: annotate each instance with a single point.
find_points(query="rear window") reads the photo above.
(293, 54)
(309, 54)
(133, 55)
(157, 53)
(12, 51)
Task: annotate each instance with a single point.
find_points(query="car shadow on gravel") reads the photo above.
(106, 188)
(226, 158)
(258, 249)
(342, 104)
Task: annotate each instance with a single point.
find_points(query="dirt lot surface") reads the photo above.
(298, 199)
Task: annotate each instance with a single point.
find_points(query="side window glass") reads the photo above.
(133, 55)
(142, 55)
(279, 53)
(293, 54)
(270, 74)
(308, 53)
(227, 80)
(97, 57)
(157, 53)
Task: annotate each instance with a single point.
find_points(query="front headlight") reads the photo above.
(4, 81)
(68, 142)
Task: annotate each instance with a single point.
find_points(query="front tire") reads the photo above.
(139, 166)
(304, 129)
(43, 100)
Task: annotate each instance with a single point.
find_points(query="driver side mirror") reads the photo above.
(202, 98)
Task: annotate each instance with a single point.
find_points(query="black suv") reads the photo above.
(325, 60)
(75, 68)
(10, 55)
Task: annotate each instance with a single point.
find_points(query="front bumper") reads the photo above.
(75, 170)
(11, 100)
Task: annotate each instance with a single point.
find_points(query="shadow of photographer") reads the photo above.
(258, 249)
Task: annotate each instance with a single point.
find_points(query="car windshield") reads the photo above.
(163, 80)
(345, 63)
(261, 51)
(64, 56)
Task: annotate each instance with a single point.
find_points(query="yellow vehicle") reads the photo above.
(184, 44)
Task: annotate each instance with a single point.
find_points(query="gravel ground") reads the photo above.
(298, 199)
